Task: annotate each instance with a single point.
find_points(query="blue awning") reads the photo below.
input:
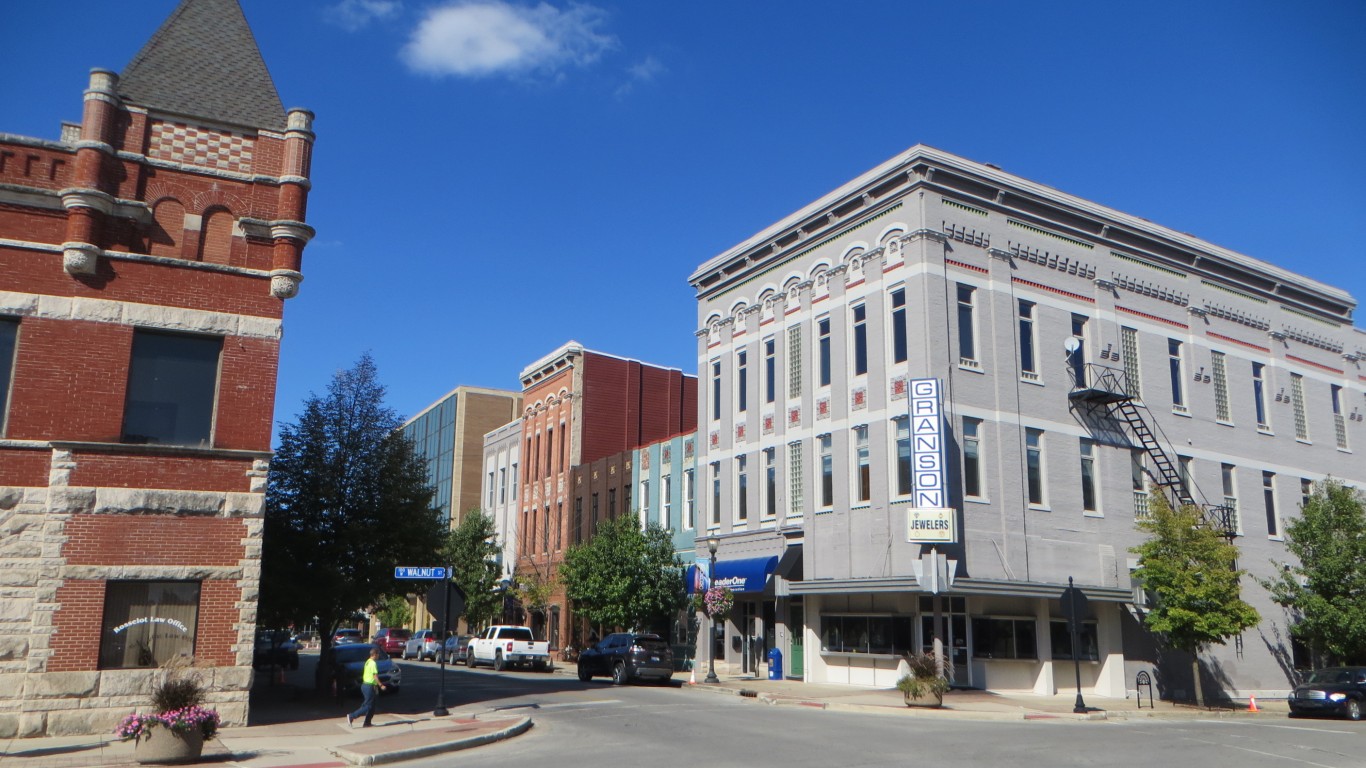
(745, 575)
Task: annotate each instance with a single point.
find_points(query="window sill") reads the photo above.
(1304, 441)
(864, 505)
(1344, 450)
(1265, 431)
(826, 511)
(977, 499)
(1181, 410)
(1040, 508)
(860, 655)
(1223, 422)
(994, 659)
(964, 364)
(1092, 513)
(1031, 378)
(158, 449)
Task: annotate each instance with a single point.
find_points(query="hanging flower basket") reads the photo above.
(717, 602)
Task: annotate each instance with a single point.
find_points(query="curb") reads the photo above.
(380, 758)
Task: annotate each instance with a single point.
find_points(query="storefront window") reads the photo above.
(1061, 639)
(147, 623)
(994, 638)
(867, 634)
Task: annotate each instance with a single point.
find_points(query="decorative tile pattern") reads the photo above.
(739, 431)
(859, 398)
(182, 143)
(898, 387)
(768, 424)
(794, 416)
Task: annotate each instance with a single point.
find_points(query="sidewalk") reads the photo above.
(961, 704)
(328, 743)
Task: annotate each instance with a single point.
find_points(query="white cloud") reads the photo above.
(480, 38)
(352, 15)
(640, 73)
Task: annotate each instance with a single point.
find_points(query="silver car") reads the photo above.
(422, 645)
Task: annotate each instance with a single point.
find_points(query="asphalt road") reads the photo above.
(597, 724)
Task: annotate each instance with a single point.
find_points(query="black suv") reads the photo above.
(1334, 690)
(626, 656)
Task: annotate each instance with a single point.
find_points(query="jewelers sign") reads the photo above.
(930, 519)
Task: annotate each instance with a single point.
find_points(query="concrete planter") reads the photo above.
(163, 746)
(931, 699)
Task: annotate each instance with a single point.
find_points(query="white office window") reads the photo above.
(796, 479)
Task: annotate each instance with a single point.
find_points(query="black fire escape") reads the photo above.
(1104, 393)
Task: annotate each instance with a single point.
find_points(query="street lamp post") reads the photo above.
(711, 641)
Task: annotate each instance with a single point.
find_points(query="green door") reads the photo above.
(796, 662)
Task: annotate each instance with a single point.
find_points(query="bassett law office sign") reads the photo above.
(930, 520)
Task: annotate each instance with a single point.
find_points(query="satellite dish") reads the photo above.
(1071, 344)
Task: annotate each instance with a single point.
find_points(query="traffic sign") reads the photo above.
(419, 572)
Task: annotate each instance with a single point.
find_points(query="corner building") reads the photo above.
(1084, 359)
(145, 258)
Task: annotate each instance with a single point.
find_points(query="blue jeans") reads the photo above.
(367, 706)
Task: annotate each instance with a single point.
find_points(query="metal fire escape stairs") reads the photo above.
(1105, 392)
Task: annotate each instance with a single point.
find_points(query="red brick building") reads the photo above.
(580, 406)
(145, 256)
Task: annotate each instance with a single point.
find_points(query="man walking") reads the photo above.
(370, 686)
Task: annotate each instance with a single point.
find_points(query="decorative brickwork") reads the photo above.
(182, 143)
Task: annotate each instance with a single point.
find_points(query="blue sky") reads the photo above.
(492, 179)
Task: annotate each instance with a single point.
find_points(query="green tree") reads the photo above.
(625, 577)
(395, 611)
(472, 550)
(347, 500)
(1189, 570)
(1326, 590)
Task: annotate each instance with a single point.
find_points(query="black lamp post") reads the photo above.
(440, 710)
(711, 641)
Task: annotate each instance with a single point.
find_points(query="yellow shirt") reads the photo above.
(369, 675)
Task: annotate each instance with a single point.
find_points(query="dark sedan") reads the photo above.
(627, 656)
(350, 661)
(1330, 691)
(456, 649)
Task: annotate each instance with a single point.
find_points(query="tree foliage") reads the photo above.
(472, 550)
(1189, 570)
(625, 577)
(1329, 541)
(394, 611)
(346, 501)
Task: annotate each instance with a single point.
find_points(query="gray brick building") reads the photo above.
(1084, 358)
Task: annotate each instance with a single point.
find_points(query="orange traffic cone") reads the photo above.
(692, 677)
(1252, 704)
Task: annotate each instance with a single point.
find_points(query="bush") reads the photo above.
(173, 693)
(923, 678)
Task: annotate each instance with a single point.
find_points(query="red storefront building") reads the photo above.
(145, 257)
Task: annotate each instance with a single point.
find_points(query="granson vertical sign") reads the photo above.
(930, 519)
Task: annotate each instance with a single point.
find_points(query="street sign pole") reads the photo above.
(441, 710)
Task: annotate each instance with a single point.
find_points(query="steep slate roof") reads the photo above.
(203, 62)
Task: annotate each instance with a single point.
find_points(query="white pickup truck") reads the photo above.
(503, 646)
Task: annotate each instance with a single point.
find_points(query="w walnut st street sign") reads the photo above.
(419, 572)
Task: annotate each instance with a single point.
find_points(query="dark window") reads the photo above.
(867, 634)
(860, 340)
(148, 623)
(1174, 364)
(172, 383)
(716, 390)
(823, 328)
(716, 493)
(827, 472)
(1034, 465)
(770, 482)
(770, 371)
(9, 341)
(1003, 639)
(903, 456)
(742, 490)
(972, 457)
(1027, 337)
(1088, 475)
(1061, 639)
(742, 386)
(1258, 393)
(967, 341)
(899, 325)
(1273, 524)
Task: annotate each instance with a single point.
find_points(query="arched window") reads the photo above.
(215, 236)
(168, 229)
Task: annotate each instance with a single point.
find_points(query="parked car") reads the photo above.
(349, 660)
(392, 639)
(1331, 691)
(626, 656)
(344, 636)
(275, 647)
(456, 649)
(422, 645)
